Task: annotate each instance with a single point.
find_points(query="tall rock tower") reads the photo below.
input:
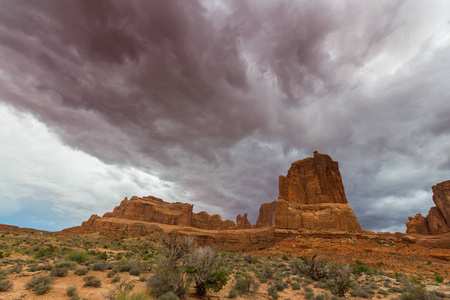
(312, 197)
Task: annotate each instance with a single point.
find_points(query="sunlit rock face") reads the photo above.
(311, 197)
(437, 221)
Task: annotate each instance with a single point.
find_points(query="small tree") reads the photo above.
(203, 265)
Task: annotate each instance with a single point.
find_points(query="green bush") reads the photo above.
(295, 286)
(79, 257)
(16, 269)
(273, 292)
(166, 280)
(60, 272)
(40, 284)
(438, 278)
(35, 268)
(316, 269)
(169, 296)
(245, 284)
(81, 272)
(91, 280)
(203, 265)
(71, 291)
(100, 266)
(5, 285)
(135, 272)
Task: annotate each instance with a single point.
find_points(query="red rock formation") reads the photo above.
(152, 210)
(313, 180)
(418, 224)
(242, 222)
(203, 220)
(441, 197)
(311, 197)
(437, 222)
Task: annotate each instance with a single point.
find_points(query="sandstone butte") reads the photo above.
(311, 199)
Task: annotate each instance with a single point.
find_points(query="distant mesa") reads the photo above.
(311, 197)
(437, 221)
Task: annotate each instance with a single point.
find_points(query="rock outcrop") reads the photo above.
(311, 197)
(154, 210)
(242, 222)
(437, 222)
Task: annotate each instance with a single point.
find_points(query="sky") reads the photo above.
(208, 102)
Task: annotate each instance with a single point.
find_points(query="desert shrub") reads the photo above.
(309, 295)
(112, 273)
(315, 269)
(3, 274)
(65, 264)
(78, 256)
(125, 266)
(91, 280)
(60, 272)
(135, 272)
(413, 289)
(203, 265)
(383, 292)
(16, 269)
(100, 265)
(280, 285)
(322, 296)
(166, 280)
(295, 286)
(169, 296)
(175, 248)
(5, 285)
(438, 278)
(340, 280)
(71, 291)
(245, 284)
(35, 268)
(273, 292)
(250, 259)
(267, 271)
(232, 293)
(81, 272)
(358, 268)
(171, 272)
(362, 291)
(40, 284)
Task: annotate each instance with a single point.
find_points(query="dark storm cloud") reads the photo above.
(219, 98)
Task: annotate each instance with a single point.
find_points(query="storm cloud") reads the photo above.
(208, 102)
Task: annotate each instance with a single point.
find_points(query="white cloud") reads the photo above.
(37, 169)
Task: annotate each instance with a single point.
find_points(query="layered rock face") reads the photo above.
(242, 222)
(311, 197)
(437, 221)
(154, 210)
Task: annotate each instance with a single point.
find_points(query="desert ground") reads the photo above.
(93, 266)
